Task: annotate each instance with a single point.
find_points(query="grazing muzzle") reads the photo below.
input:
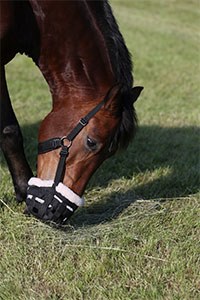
(51, 200)
(51, 203)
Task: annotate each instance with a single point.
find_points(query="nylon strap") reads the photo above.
(84, 121)
(61, 165)
(49, 145)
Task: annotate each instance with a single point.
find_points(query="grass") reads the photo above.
(138, 235)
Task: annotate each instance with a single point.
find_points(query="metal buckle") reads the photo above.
(83, 122)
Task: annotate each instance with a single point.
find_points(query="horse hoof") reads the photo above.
(21, 195)
(20, 198)
(21, 190)
(26, 212)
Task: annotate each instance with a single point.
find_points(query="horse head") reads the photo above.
(67, 161)
(92, 115)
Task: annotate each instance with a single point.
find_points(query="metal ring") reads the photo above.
(62, 142)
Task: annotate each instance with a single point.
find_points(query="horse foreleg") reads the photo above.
(11, 142)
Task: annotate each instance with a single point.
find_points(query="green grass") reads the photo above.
(138, 235)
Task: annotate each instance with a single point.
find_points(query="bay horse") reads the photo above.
(82, 55)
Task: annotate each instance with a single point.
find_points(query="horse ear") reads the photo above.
(136, 92)
(111, 104)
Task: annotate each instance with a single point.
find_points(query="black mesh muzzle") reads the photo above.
(48, 203)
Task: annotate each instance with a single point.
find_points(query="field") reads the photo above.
(138, 235)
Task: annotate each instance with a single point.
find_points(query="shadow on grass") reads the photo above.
(166, 160)
(153, 151)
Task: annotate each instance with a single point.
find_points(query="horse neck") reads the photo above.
(74, 57)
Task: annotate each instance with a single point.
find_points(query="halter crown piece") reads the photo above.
(51, 200)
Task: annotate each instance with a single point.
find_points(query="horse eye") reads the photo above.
(91, 143)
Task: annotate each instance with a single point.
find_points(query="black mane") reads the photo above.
(122, 67)
(119, 56)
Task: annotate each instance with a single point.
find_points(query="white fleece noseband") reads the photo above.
(60, 188)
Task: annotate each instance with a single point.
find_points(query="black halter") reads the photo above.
(55, 143)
